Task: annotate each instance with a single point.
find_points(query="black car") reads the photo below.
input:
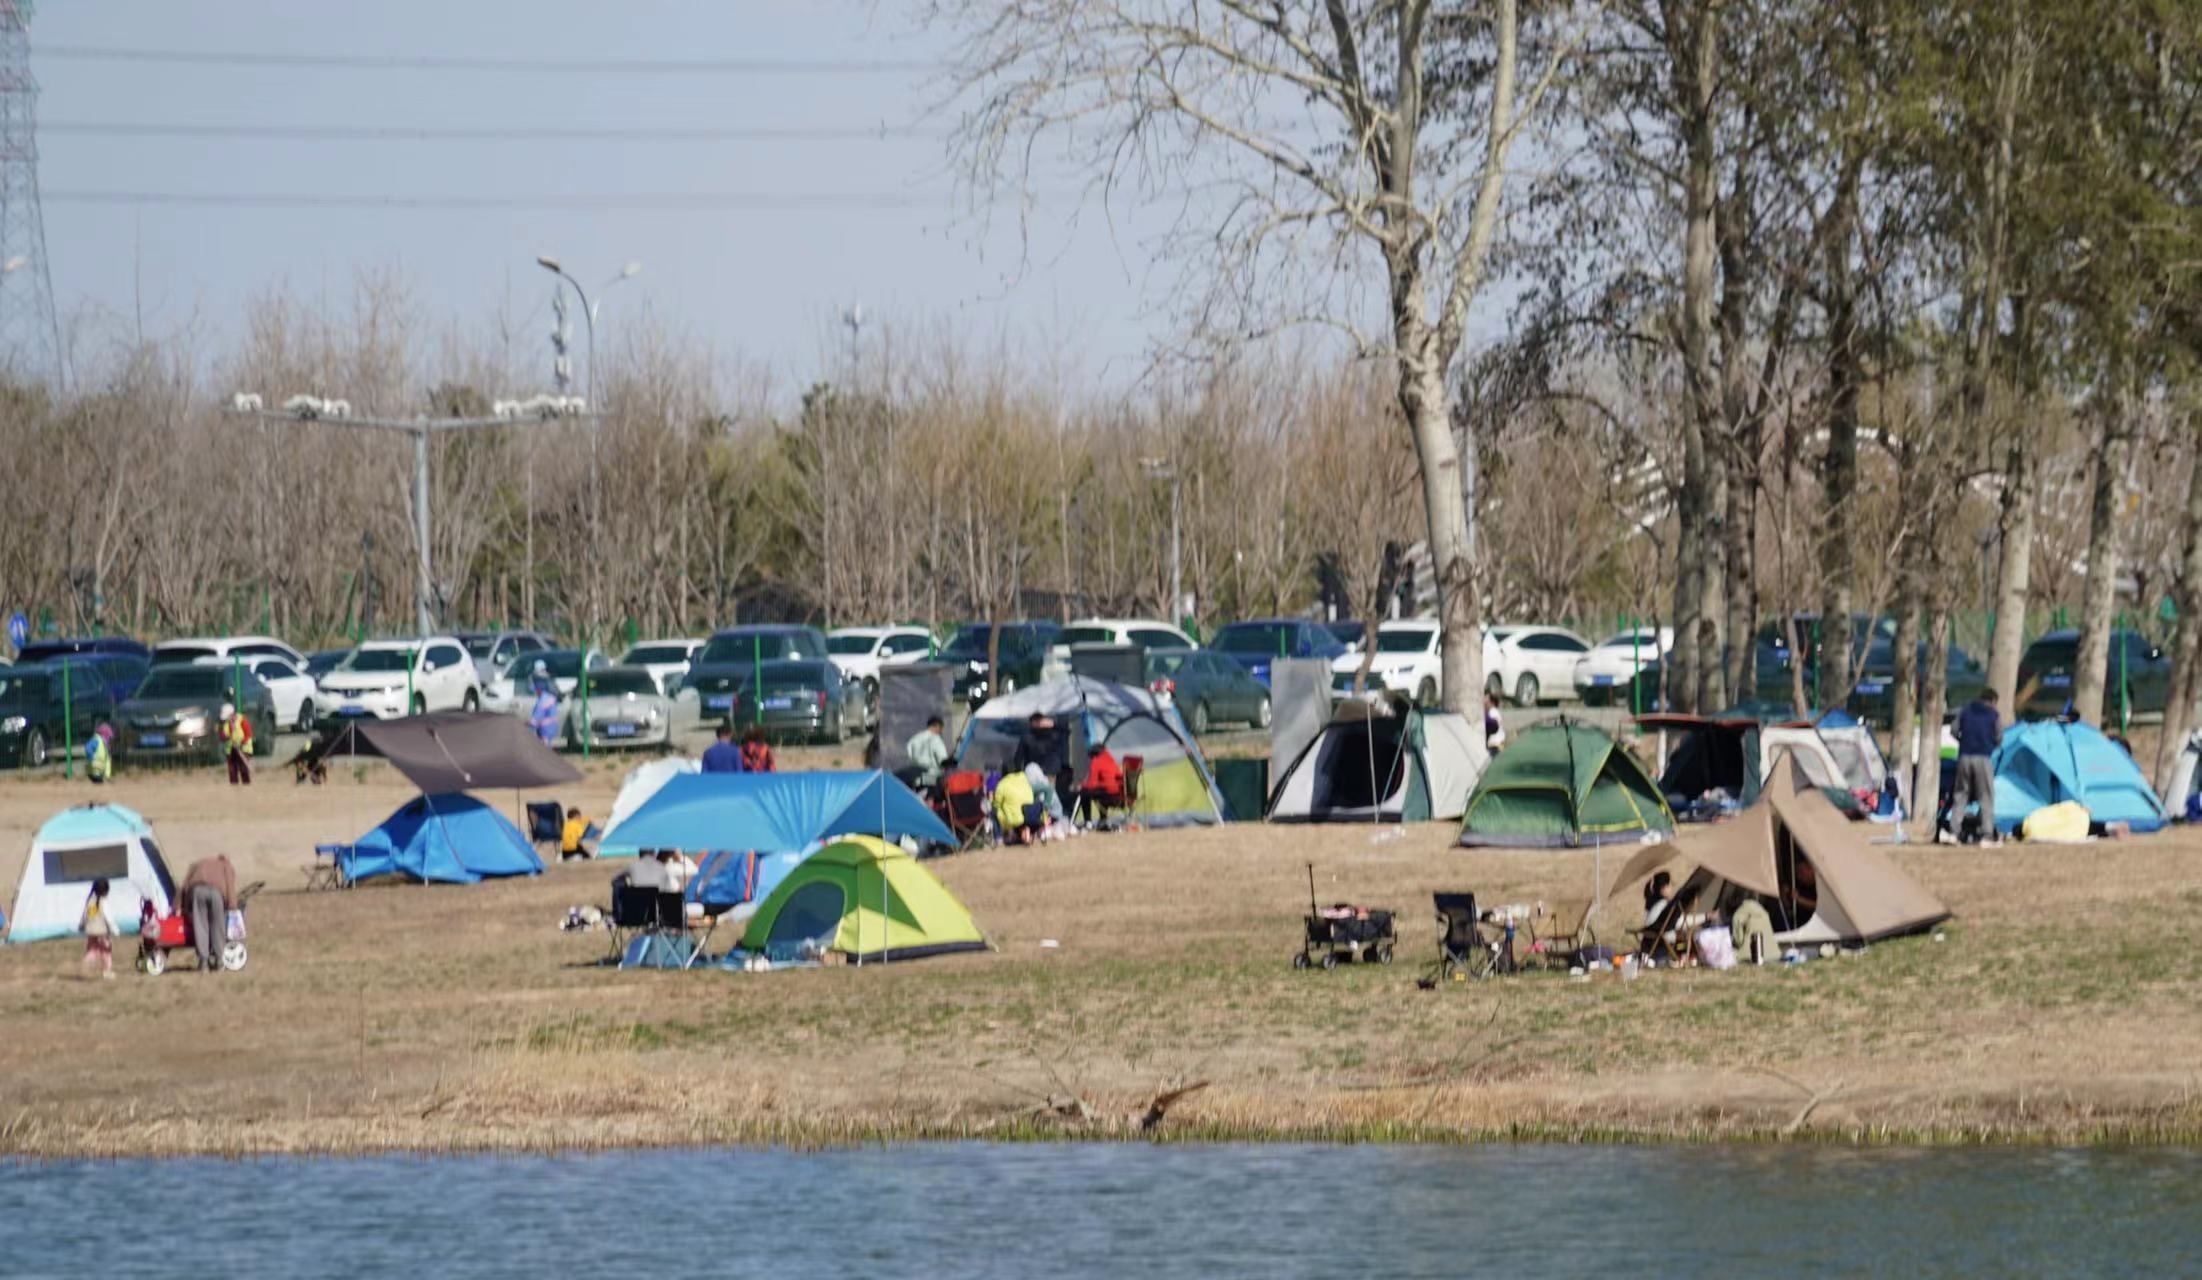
(1874, 700)
(1771, 663)
(805, 698)
(70, 646)
(723, 667)
(2138, 678)
(42, 714)
(1022, 657)
(176, 713)
(1208, 688)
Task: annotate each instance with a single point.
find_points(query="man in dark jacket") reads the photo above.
(1979, 728)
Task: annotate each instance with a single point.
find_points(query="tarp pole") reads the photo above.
(68, 722)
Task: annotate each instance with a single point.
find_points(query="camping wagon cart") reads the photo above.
(1363, 934)
(162, 934)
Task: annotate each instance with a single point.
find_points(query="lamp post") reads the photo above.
(588, 317)
(1164, 469)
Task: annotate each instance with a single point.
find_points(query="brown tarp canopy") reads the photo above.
(447, 751)
(1862, 895)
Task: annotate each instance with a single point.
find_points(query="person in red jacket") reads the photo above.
(756, 752)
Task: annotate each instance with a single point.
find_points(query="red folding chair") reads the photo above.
(965, 793)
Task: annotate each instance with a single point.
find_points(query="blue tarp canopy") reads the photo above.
(755, 827)
(452, 838)
(2045, 762)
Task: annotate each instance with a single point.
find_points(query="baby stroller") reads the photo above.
(158, 935)
(1344, 931)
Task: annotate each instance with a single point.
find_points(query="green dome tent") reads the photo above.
(867, 900)
(1562, 783)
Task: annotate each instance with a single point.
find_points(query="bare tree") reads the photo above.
(1319, 144)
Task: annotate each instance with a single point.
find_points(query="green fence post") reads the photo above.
(2125, 692)
(1636, 665)
(583, 685)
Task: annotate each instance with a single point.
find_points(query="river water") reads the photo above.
(974, 1209)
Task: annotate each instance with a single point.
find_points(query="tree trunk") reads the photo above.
(1927, 781)
(1739, 527)
(2098, 603)
(1693, 34)
(1904, 735)
(2014, 569)
(1838, 488)
(1444, 498)
(2186, 641)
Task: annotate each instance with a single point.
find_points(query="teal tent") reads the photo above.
(2045, 762)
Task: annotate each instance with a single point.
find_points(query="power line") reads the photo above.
(641, 201)
(484, 133)
(528, 66)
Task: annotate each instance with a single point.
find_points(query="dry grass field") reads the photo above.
(2061, 1005)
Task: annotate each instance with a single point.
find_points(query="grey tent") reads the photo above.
(909, 694)
(447, 751)
(1860, 894)
(1370, 766)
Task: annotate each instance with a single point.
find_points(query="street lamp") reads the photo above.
(588, 316)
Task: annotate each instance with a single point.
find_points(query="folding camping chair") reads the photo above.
(1463, 951)
(1664, 940)
(1134, 767)
(1556, 939)
(327, 871)
(634, 913)
(965, 792)
(546, 826)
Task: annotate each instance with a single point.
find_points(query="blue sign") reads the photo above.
(19, 630)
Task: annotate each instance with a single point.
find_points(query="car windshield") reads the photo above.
(613, 683)
(183, 653)
(1270, 638)
(479, 646)
(757, 646)
(1088, 635)
(851, 646)
(1416, 641)
(644, 655)
(378, 661)
(185, 682)
(970, 642)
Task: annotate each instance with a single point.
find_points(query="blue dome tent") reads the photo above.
(2045, 762)
(455, 839)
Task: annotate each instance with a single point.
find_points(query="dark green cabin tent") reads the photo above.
(1562, 783)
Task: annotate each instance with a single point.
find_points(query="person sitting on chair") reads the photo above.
(1104, 779)
(648, 873)
(1015, 808)
(572, 838)
(1658, 896)
(927, 751)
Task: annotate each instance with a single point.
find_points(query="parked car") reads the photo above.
(391, 678)
(493, 651)
(1148, 634)
(512, 689)
(1612, 661)
(666, 661)
(1874, 699)
(1771, 663)
(1022, 656)
(68, 646)
(1208, 688)
(1350, 632)
(861, 651)
(223, 648)
(177, 712)
(36, 722)
(289, 688)
(730, 657)
(120, 673)
(1532, 664)
(322, 661)
(2137, 667)
(1408, 660)
(803, 697)
(1256, 643)
(624, 708)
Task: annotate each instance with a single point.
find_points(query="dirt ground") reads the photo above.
(2061, 1004)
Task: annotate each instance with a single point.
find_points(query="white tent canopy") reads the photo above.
(74, 848)
(1369, 766)
(642, 783)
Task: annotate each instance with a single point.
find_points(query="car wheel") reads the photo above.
(1261, 714)
(1494, 686)
(1200, 719)
(304, 723)
(34, 749)
(1525, 691)
(472, 701)
(1425, 694)
(420, 704)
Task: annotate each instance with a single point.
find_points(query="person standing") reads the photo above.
(99, 755)
(1494, 728)
(757, 754)
(209, 894)
(1979, 729)
(927, 752)
(237, 745)
(722, 756)
(98, 931)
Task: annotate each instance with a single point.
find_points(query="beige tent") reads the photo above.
(1862, 896)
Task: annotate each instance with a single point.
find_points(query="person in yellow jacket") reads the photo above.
(99, 756)
(237, 745)
(1014, 808)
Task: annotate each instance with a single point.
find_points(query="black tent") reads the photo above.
(447, 751)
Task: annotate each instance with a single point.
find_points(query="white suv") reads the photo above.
(224, 649)
(1532, 664)
(391, 678)
(1148, 634)
(861, 651)
(1408, 660)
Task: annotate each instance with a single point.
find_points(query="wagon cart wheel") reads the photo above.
(153, 963)
(1300, 961)
(233, 956)
(1330, 959)
(1384, 955)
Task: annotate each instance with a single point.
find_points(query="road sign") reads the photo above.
(19, 630)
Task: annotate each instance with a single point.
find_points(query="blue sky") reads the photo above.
(758, 283)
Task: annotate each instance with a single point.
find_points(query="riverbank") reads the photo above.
(2060, 1006)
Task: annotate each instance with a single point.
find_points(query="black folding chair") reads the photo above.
(634, 912)
(546, 824)
(1463, 952)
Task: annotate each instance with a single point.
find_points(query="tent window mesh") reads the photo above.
(82, 866)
